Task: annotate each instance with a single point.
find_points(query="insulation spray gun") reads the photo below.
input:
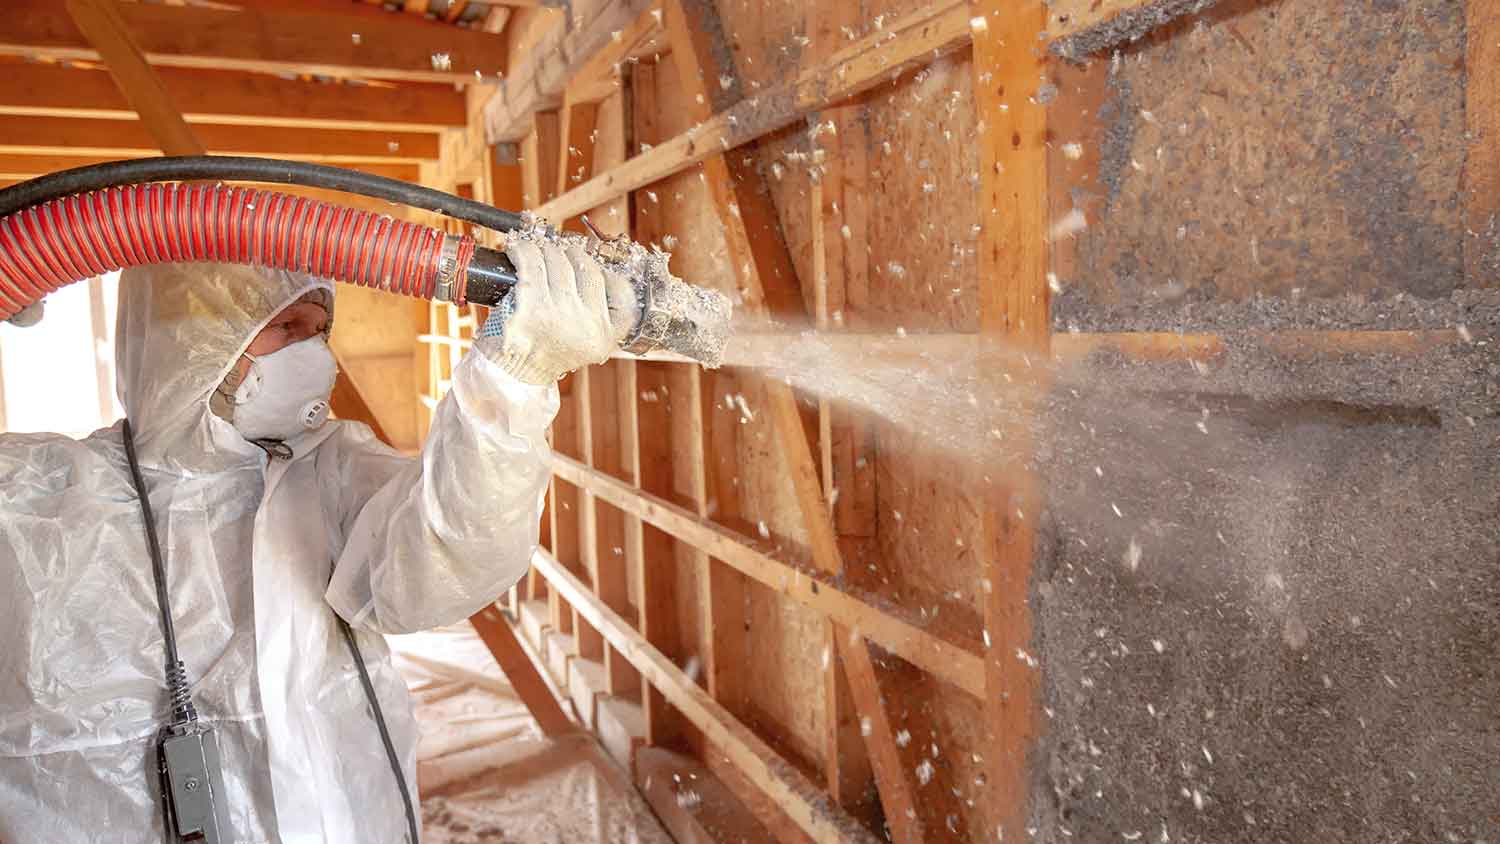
(673, 316)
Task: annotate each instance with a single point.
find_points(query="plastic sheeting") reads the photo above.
(487, 774)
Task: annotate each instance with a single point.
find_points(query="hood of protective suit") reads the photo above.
(181, 328)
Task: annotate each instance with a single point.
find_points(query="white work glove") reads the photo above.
(566, 311)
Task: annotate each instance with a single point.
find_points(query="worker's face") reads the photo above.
(296, 322)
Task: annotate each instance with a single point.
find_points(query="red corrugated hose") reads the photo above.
(58, 242)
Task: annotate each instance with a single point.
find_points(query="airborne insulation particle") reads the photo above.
(924, 772)
(1069, 225)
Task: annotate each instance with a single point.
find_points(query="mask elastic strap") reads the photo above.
(228, 390)
(274, 449)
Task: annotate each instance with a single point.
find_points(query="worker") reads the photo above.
(273, 525)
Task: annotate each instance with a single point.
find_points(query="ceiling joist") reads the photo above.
(234, 97)
(19, 167)
(291, 40)
(129, 138)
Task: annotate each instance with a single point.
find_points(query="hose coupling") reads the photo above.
(454, 256)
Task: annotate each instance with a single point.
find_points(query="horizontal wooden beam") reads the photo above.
(903, 43)
(942, 659)
(21, 167)
(792, 792)
(125, 138)
(599, 76)
(234, 97)
(1079, 28)
(537, 81)
(316, 41)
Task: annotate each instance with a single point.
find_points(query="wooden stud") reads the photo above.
(538, 157)
(651, 552)
(793, 792)
(850, 452)
(657, 587)
(1013, 301)
(846, 765)
(101, 330)
(576, 148)
(609, 437)
(575, 157)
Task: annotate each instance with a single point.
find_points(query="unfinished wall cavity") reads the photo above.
(1266, 596)
(1288, 148)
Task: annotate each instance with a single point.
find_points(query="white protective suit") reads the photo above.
(260, 554)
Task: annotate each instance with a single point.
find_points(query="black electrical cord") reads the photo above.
(177, 684)
(385, 734)
(228, 168)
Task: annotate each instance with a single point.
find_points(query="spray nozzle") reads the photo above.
(674, 316)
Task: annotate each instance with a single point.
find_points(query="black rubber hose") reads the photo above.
(229, 168)
(491, 275)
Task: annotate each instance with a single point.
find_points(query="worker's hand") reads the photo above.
(566, 311)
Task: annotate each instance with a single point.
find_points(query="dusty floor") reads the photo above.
(486, 774)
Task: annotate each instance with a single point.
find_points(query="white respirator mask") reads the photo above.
(286, 392)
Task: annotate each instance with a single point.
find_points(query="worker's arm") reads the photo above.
(429, 542)
(436, 541)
